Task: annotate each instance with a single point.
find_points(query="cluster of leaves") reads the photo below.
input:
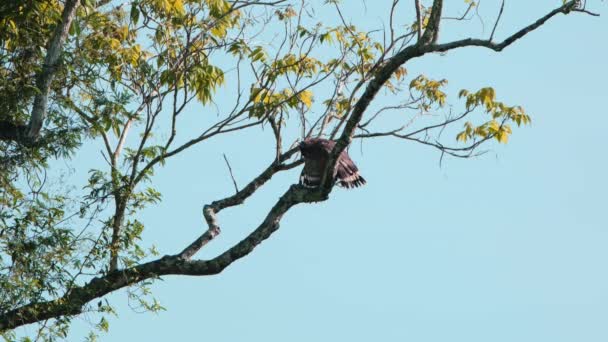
(500, 114)
(34, 248)
(430, 92)
(264, 99)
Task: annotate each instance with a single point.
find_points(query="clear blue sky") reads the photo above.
(510, 246)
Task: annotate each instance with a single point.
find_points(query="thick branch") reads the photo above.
(43, 82)
(432, 28)
(210, 211)
(73, 302)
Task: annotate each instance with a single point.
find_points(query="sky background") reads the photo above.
(509, 246)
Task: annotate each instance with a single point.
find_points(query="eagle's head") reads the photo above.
(316, 147)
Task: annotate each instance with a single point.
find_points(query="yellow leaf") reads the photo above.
(178, 6)
(219, 31)
(306, 98)
(114, 43)
(400, 72)
(124, 32)
(493, 126)
(502, 137)
(462, 136)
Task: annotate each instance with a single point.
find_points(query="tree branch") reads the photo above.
(502, 7)
(565, 9)
(431, 33)
(43, 83)
(236, 187)
(73, 302)
(210, 210)
(418, 19)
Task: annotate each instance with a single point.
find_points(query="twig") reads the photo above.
(231, 175)
(587, 12)
(502, 7)
(462, 17)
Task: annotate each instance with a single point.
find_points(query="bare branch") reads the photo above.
(502, 7)
(453, 151)
(236, 188)
(586, 12)
(565, 9)
(463, 16)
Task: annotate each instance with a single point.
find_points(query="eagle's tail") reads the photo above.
(351, 181)
(347, 174)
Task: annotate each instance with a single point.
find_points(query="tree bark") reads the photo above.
(43, 83)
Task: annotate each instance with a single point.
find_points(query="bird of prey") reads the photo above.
(316, 155)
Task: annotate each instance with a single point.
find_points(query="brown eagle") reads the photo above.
(316, 154)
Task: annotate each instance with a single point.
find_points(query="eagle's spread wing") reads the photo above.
(316, 153)
(348, 174)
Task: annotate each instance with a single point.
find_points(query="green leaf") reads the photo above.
(134, 13)
(103, 324)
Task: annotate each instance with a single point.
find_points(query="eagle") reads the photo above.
(316, 154)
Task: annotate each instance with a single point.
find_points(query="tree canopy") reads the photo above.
(123, 74)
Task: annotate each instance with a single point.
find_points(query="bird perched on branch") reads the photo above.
(316, 153)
